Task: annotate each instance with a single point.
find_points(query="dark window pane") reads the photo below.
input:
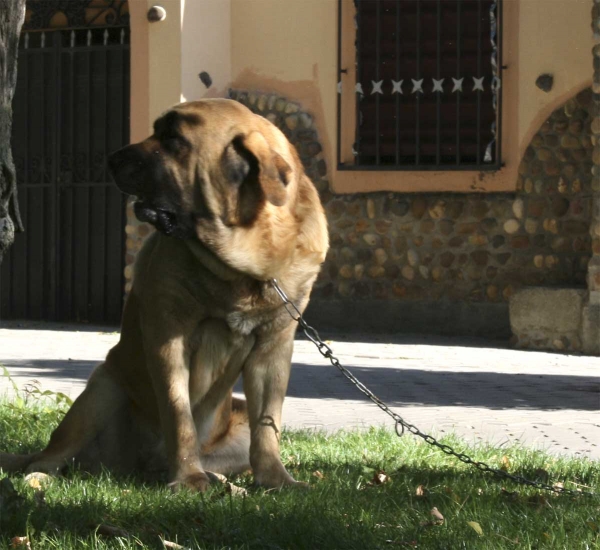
(441, 56)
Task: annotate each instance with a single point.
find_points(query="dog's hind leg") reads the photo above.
(221, 420)
(92, 411)
(230, 453)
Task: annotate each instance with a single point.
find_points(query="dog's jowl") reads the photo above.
(233, 209)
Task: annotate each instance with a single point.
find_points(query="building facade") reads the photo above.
(454, 146)
(432, 249)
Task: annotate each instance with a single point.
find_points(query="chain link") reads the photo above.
(400, 424)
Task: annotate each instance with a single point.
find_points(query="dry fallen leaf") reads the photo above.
(318, 474)
(37, 480)
(437, 514)
(216, 478)
(379, 478)
(34, 483)
(439, 519)
(235, 491)
(421, 491)
(558, 485)
(505, 463)
(476, 527)
(20, 542)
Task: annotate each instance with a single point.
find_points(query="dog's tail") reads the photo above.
(230, 453)
(10, 463)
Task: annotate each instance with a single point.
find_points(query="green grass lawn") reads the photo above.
(346, 507)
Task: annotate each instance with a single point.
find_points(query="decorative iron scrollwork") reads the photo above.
(68, 14)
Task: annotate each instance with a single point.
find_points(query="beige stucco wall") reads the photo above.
(292, 50)
(554, 37)
(167, 56)
(206, 46)
(290, 47)
(156, 56)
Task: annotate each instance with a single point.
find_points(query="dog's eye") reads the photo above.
(175, 145)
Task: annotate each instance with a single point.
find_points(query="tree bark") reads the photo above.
(12, 14)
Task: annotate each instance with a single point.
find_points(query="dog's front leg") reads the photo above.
(168, 363)
(266, 376)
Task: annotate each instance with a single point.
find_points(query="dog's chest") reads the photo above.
(218, 354)
(243, 322)
(250, 308)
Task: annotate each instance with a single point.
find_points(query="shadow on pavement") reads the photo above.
(52, 368)
(449, 388)
(398, 387)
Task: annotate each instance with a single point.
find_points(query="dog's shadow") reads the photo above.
(398, 386)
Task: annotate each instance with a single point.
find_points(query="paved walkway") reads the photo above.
(477, 389)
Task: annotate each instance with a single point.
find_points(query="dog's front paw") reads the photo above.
(198, 481)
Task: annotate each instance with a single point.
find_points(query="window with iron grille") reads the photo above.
(426, 86)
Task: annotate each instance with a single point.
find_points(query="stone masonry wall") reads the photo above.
(566, 318)
(456, 247)
(591, 314)
(473, 248)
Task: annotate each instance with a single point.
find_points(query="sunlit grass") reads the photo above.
(347, 506)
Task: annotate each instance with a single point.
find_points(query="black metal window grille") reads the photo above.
(427, 93)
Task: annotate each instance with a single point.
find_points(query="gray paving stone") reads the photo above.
(475, 389)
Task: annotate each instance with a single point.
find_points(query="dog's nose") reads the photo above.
(126, 166)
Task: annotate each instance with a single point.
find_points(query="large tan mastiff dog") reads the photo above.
(233, 209)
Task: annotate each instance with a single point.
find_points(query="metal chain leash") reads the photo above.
(400, 423)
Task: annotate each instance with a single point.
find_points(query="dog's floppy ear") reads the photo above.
(272, 172)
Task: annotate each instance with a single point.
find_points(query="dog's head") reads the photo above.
(214, 171)
(206, 159)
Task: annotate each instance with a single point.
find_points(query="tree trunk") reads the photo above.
(12, 14)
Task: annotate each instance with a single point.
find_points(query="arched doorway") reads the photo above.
(71, 109)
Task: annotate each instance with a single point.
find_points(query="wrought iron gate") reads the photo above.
(71, 109)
